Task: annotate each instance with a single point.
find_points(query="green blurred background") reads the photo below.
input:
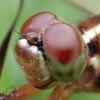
(12, 75)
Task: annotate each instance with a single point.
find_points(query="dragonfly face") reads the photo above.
(50, 50)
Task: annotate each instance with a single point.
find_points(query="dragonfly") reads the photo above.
(64, 86)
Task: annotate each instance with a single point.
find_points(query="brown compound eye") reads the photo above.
(32, 26)
(63, 47)
(62, 42)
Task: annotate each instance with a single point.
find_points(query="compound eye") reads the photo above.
(33, 26)
(62, 42)
(63, 47)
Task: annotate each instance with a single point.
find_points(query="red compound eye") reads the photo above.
(61, 42)
(37, 22)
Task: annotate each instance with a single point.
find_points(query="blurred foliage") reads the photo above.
(12, 75)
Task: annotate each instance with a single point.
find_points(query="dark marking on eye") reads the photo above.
(59, 74)
(70, 73)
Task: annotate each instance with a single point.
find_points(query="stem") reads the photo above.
(4, 46)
